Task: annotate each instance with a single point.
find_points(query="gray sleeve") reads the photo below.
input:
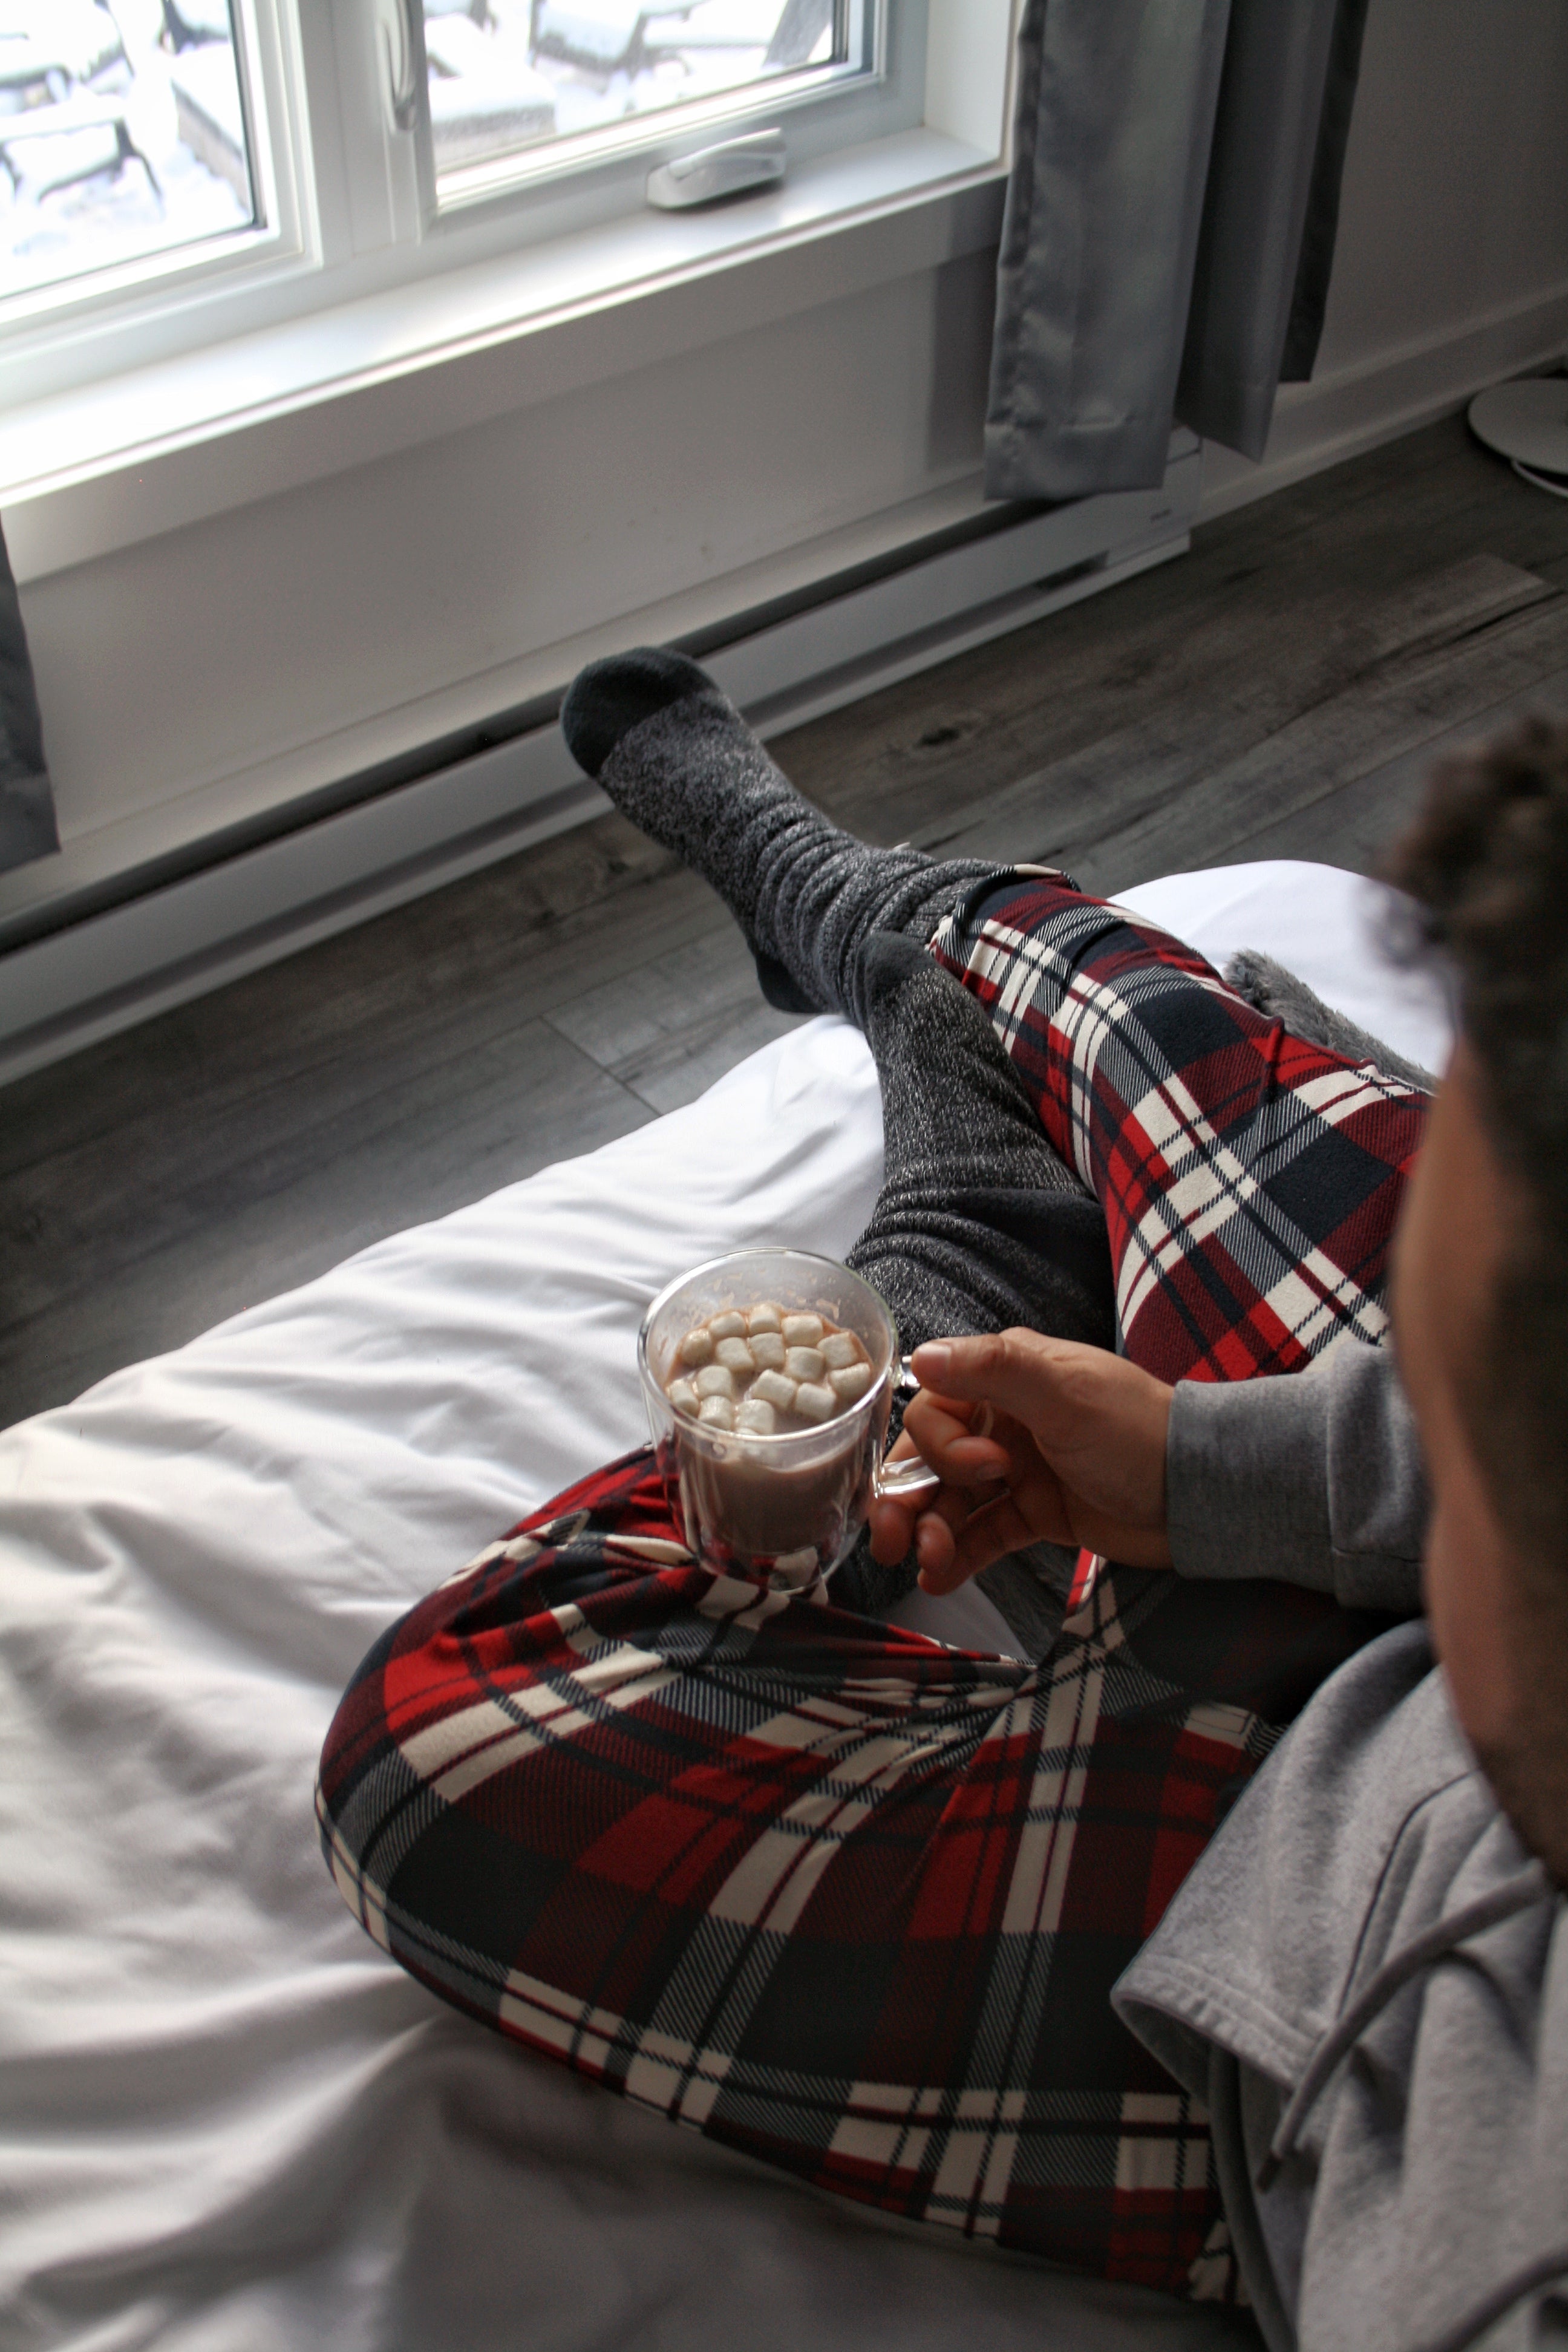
(1315, 1479)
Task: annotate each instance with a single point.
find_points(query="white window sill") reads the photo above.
(86, 472)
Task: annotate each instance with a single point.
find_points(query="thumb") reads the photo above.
(1023, 1373)
(1098, 1424)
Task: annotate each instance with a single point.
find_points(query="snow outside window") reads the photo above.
(122, 135)
(175, 174)
(528, 82)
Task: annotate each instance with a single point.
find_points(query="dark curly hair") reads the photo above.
(1487, 865)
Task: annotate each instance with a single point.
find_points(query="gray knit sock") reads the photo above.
(979, 1225)
(677, 759)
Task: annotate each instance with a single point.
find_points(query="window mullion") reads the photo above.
(372, 168)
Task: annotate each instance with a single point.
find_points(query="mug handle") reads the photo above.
(911, 1475)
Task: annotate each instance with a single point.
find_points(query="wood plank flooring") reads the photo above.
(1279, 692)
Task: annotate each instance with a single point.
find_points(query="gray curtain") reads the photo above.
(1155, 250)
(1316, 265)
(28, 827)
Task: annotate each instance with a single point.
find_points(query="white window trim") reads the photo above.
(66, 318)
(86, 470)
(357, 213)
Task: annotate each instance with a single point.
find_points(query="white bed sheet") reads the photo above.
(227, 2123)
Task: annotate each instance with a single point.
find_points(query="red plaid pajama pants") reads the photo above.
(831, 1892)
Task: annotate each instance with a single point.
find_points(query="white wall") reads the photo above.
(191, 676)
(695, 454)
(1452, 264)
(334, 623)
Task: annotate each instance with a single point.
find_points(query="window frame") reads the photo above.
(634, 144)
(348, 203)
(266, 62)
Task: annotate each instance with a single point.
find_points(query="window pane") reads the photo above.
(506, 75)
(122, 134)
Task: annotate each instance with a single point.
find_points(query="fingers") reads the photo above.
(940, 1435)
(1075, 1437)
(892, 1523)
(936, 1548)
(1097, 1421)
(966, 1450)
(892, 1526)
(1023, 1373)
(897, 1527)
(950, 1560)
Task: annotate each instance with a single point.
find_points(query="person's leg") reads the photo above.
(1249, 1180)
(979, 1226)
(840, 1897)
(677, 759)
(835, 1895)
(979, 1223)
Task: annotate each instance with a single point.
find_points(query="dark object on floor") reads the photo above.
(28, 827)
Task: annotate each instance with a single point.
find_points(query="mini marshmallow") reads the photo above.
(737, 1355)
(849, 1383)
(756, 1417)
(803, 1363)
(763, 1317)
(715, 1380)
(716, 1413)
(728, 1326)
(683, 1396)
(802, 1330)
(815, 1400)
(767, 1350)
(772, 1388)
(697, 1346)
(837, 1348)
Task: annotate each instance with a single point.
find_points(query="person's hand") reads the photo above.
(1033, 1438)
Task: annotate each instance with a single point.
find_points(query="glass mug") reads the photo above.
(787, 1508)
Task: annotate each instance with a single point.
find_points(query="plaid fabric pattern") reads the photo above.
(1249, 1180)
(835, 1895)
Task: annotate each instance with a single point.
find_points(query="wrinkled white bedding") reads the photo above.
(227, 2123)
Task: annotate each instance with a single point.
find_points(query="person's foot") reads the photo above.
(675, 757)
(607, 700)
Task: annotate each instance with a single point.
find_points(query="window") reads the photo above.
(175, 175)
(511, 84)
(122, 134)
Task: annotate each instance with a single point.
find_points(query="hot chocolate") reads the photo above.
(768, 1381)
(764, 1370)
(770, 1371)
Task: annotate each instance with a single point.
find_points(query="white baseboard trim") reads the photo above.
(1354, 409)
(109, 970)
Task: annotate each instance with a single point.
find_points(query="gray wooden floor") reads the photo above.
(1278, 692)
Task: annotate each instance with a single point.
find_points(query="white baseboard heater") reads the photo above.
(250, 906)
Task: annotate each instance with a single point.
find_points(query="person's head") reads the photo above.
(1480, 1279)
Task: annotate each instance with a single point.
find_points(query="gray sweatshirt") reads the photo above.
(1365, 1976)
